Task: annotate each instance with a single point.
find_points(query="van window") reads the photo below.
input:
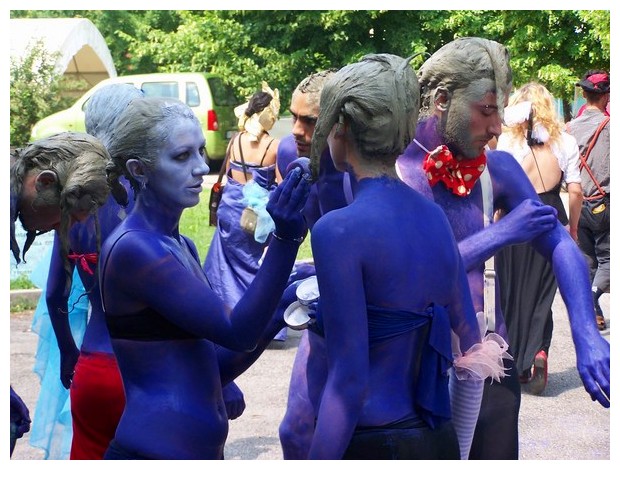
(192, 95)
(161, 89)
(223, 94)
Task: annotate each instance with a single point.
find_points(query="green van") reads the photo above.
(209, 97)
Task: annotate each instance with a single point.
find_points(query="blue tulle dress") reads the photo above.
(51, 428)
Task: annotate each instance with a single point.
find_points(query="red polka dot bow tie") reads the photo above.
(458, 176)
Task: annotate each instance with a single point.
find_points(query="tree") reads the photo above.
(281, 47)
(553, 47)
(35, 91)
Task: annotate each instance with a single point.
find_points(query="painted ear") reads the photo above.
(136, 169)
(442, 99)
(46, 179)
(341, 127)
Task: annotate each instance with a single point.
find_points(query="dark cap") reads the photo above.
(596, 81)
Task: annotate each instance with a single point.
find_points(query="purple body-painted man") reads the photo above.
(464, 87)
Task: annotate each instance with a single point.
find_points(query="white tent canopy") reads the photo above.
(84, 53)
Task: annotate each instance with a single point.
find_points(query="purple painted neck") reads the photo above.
(426, 133)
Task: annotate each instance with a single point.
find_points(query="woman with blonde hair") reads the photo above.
(535, 136)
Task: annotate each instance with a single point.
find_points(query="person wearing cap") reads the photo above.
(589, 82)
(464, 87)
(593, 233)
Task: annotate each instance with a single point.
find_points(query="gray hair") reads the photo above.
(379, 97)
(105, 106)
(140, 132)
(312, 86)
(78, 160)
(462, 62)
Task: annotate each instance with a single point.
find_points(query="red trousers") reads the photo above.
(97, 403)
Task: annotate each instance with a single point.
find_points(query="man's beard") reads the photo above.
(454, 129)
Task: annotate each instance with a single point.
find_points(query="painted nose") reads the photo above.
(298, 130)
(496, 125)
(201, 169)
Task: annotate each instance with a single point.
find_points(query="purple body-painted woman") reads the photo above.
(167, 326)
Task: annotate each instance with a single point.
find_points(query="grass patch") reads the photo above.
(195, 224)
(23, 305)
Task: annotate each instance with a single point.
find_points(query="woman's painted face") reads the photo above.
(177, 178)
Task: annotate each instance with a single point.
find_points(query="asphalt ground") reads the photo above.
(561, 424)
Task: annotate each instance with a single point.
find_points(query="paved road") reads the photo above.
(561, 424)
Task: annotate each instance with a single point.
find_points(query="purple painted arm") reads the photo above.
(526, 217)
(528, 220)
(56, 299)
(161, 281)
(233, 363)
(20, 416)
(514, 193)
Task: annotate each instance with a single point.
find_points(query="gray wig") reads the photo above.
(140, 132)
(105, 106)
(78, 160)
(379, 97)
(313, 84)
(460, 63)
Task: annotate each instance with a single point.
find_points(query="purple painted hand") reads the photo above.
(234, 401)
(285, 205)
(529, 220)
(67, 366)
(301, 162)
(20, 416)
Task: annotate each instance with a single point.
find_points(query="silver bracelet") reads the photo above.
(298, 240)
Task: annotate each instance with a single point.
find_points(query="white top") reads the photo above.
(566, 151)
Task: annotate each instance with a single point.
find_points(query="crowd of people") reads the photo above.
(416, 187)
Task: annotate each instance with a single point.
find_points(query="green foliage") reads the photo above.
(558, 57)
(35, 92)
(554, 47)
(22, 283)
(22, 303)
